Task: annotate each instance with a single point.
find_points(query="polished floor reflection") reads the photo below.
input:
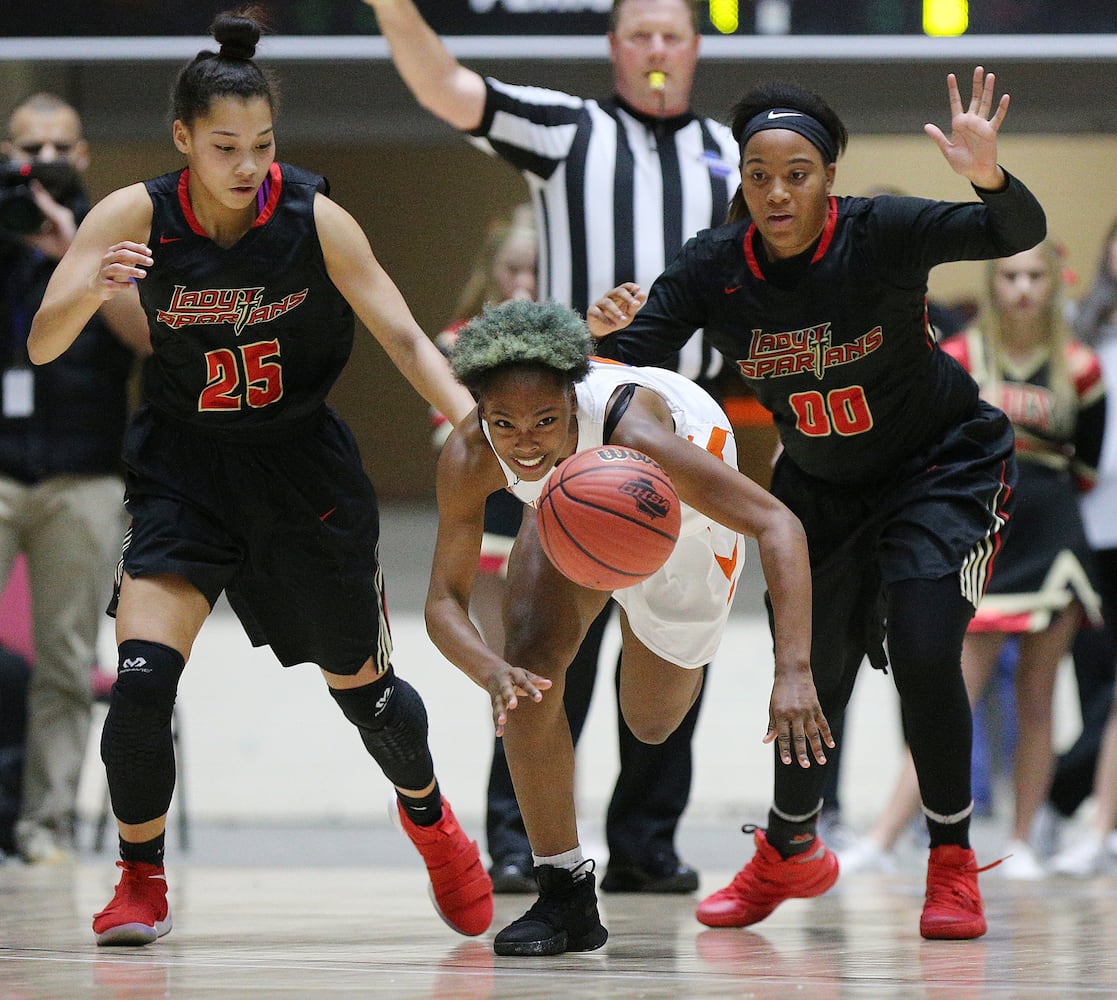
(282, 932)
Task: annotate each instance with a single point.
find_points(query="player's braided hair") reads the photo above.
(521, 334)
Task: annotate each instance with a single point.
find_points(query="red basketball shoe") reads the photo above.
(766, 881)
(460, 888)
(953, 908)
(138, 912)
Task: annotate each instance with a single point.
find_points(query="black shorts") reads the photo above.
(287, 525)
(939, 515)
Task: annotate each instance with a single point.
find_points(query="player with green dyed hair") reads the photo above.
(541, 399)
(521, 333)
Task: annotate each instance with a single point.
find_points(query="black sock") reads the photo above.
(150, 852)
(957, 834)
(790, 837)
(425, 811)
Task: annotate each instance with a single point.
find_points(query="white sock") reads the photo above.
(570, 860)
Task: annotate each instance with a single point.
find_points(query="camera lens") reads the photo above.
(18, 212)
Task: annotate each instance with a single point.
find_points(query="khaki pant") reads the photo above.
(69, 528)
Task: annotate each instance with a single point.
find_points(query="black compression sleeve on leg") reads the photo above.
(392, 720)
(136, 743)
(927, 622)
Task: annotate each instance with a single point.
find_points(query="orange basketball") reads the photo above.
(608, 517)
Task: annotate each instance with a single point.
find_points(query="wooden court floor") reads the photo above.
(286, 932)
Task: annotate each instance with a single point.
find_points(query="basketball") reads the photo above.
(608, 518)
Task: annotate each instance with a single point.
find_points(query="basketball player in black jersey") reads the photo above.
(240, 480)
(899, 473)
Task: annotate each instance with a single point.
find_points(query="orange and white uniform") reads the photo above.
(680, 612)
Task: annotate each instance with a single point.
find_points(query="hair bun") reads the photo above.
(237, 32)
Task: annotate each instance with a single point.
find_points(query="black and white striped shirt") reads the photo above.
(616, 193)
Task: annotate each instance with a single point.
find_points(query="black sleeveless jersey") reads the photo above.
(836, 342)
(246, 338)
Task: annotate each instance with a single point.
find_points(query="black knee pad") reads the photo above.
(136, 743)
(392, 721)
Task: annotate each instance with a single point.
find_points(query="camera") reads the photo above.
(19, 215)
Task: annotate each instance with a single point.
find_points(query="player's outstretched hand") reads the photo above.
(795, 720)
(506, 686)
(971, 149)
(615, 309)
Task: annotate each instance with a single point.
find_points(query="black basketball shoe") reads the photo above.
(563, 918)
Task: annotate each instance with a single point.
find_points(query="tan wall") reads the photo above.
(425, 208)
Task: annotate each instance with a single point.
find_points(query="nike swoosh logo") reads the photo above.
(730, 289)
(169, 239)
(773, 115)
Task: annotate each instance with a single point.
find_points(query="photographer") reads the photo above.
(60, 439)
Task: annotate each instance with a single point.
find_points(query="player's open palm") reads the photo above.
(971, 148)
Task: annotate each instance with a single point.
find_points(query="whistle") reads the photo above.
(657, 79)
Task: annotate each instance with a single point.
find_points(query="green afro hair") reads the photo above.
(539, 335)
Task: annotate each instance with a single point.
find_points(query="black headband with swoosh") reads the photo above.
(794, 121)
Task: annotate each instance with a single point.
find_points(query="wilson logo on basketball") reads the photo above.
(648, 499)
(624, 455)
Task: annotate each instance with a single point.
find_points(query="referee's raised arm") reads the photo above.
(439, 82)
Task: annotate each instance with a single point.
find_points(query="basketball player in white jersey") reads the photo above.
(540, 400)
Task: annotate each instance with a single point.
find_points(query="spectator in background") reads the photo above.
(61, 490)
(1024, 360)
(618, 185)
(1095, 650)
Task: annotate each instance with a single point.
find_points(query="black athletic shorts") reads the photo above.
(939, 515)
(285, 523)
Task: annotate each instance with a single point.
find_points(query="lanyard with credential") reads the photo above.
(17, 390)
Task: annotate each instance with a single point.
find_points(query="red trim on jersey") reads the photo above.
(275, 176)
(827, 231)
(750, 254)
(187, 208)
(827, 237)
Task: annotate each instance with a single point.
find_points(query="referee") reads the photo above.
(618, 186)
